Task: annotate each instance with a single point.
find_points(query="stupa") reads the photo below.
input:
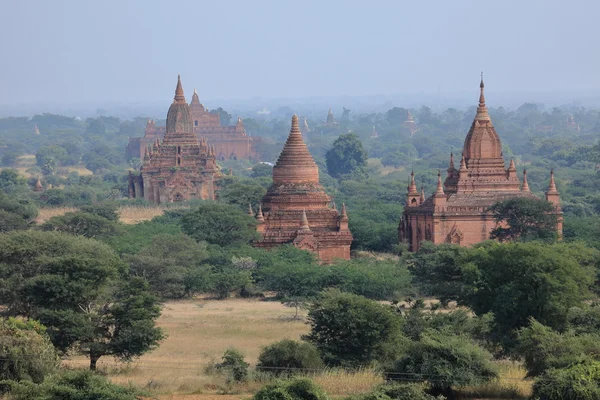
(296, 210)
(458, 211)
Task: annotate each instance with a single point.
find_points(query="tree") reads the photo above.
(78, 288)
(352, 331)
(224, 116)
(289, 357)
(220, 224)
(347, 157)
(398, 391)
(167, 263)
(15, 214)
(525, 218)
(445, 361)
(50, 155)
(9, 158)
(577, 382)
(262, 170)
(82, 224)
(106, 210)
(517, 281)
(26, 353)
(235, 366)
(241, 194)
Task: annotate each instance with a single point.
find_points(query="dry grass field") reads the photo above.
(198, 334)
(199, 331)
(128, 214)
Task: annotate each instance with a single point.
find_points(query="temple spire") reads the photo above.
(463, 164)
(552, 187)
(304, 222)
(440, 187)
(412, 188)
(481, 95)
(179, 97)
(295, 163)
(259, 216)
(250, 211)
(344, 214)
(422, 197)
(511, 166)
(525, 187)
(451, 164)
(38, 185)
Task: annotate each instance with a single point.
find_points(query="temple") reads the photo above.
(330, 120)
(296, 210)
(231, 142)
(180, 167)
(458, 211)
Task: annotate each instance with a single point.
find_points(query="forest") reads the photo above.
(443, 322)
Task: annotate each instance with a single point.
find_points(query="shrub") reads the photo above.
(75, 385)
(297, 389)
(26, 352)
(578, 382)
(353, 331)
(288, 356)
(234, 365)
(396, 391)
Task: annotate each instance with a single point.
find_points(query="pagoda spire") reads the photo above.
(440, 187)
(482, 111)
(463, 164)
(38, 185)
(179, 97)
(195, 99)
(451, 164)
(525, 187)
(422, 197)
(344, 214)
(250, 211)
(511, 166)
(552, 186)
(259, 216)
(304, 222)
(295, 163)
(481, 95)
(412, 188)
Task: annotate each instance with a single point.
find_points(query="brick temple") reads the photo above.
(230, 142)
(296, 210)
(458, 210)
(180, 166)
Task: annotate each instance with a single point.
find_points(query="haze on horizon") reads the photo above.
(71, 51)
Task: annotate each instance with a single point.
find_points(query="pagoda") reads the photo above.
(296, 210)
(180, 167)
(458, 211)
(330, 120)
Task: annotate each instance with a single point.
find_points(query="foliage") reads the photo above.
(526, 219)
(84, 224)
(396, 391)
(133, 238)
(15, 214)
(167, 262)
(242, 194)
(73, 385)
(26, 353)
(296, 389)
(220, 224)
(234, 365)
(445, 361)
(106, 210)
(352, 331)
(543, 348)
(578, 382)
(262, 170)
(288, 357)
(347, 157)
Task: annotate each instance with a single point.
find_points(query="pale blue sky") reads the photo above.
(70, 51)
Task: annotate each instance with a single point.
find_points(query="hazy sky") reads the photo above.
(75, 51)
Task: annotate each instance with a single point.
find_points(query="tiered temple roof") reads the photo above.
(458, 211)
(296, 209)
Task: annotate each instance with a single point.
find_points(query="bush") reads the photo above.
(579, 382)
(26, 352)
(297, 389)
(353, 331)
(289, 356)
(75, 385)
(397, 391)
(234, 365)
(445, 361)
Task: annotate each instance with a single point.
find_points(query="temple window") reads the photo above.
(178, 149)
(196, 123)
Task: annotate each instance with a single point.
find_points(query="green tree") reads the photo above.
(353, 331)
(82, 224)
(224, 116)
(347, 157)
(78, 288)
(517, 281)
(50, 154)
(234, 365)
(9, 158)
(15, 214)
(577, 382)
(219, 224)
(289, 357)
(445, 361)
(525, 218)
(106, 210)
(167, 262)
(242, 194)
(26, 353)
(262, 170)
